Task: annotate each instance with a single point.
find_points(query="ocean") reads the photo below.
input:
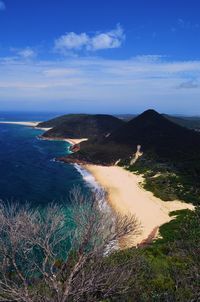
(28, 169)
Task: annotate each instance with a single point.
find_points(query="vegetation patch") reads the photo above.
(171, 265)
(165, 181)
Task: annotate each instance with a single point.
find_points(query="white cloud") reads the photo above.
(110, 39)
(98, 41)
(23, 53)
(97, 84)
(71, 41)
(2, 5)
(27, 53)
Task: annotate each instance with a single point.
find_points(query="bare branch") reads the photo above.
(60, 253)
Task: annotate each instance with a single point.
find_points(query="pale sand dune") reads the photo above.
(127, 196)
(75, 141)
(44, 129)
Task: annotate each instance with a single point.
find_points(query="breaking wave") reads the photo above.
(94, 186)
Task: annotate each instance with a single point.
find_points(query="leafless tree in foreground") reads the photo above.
(60, 254)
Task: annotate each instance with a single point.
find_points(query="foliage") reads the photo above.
(48, 256)
(167, 270)
(172, 263)
(166, 181)
(104, 154)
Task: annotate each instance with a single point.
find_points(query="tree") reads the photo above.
(60, 254)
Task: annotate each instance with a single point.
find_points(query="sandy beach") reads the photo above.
(29, 124)
(72, 141)
(126, 196)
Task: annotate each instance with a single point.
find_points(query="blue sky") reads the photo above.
(100, 56)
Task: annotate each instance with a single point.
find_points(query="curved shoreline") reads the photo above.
(127, 197)
(72, 141)
(125, 193)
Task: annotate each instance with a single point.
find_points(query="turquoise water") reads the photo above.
(27, 166)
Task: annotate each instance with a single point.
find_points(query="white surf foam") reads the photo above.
(94, 186)
(102, 202)
(88, 177)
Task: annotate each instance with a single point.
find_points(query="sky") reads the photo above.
(100, 56)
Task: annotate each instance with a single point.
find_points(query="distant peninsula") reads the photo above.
(78, 126)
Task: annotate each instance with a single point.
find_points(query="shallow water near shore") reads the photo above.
(28, 169)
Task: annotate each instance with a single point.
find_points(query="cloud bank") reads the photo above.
(92, 84)
(88, 83)
(83, 41)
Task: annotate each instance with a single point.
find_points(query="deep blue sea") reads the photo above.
(28, 171)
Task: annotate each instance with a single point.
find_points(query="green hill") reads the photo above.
(57, 121)
(191, 122)
(157, 135)
(168, 148)
(81, 126)
(185, 121)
